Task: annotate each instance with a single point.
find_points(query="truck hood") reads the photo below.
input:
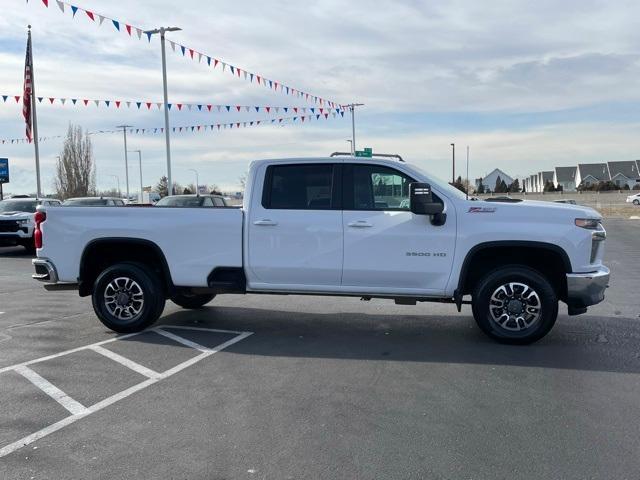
(537, 207)
(16, 216)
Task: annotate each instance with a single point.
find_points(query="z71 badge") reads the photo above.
(481, 209)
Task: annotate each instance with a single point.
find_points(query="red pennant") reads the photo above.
(258, 122)
(191, 53)
(268, 109)
(295, 109)
(51, 99)
(238, 70)
(198, 127)
(148, 105)
(215, 62)
(179, 106)
(46, 3)
(238, 125)
(238, 107)
(128, 29)
(90, 15)
(321, 110)
(117, 103)
(326, 115)
(258, 79)
(275, 85)
(86, 102)
(17, 97)
(302, 118)
(209, 107)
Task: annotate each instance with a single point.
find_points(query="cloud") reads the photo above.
(524, 83)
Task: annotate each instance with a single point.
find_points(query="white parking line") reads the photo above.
(73, 406)
(136, 367)
(79, 411)
(181, 340)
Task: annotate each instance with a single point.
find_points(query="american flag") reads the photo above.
(28, 87)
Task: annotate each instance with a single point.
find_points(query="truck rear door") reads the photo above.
(295, 228)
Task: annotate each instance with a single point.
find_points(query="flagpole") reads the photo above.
(34, 117)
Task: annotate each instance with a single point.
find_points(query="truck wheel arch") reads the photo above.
(514, 251)
(100, 253)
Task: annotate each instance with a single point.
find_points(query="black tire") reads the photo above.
(192, 301)
(141, 315)
(521, 326)
(636, 202)
(29, 246)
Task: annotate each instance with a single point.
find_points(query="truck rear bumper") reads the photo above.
(45, 270)
(585, 289)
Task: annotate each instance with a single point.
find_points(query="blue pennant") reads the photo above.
(74, 10)
(200, 107)
(138, 104)
(149, 36)
(116, 24)
(4, 97)
(183, 48)
(228, 107)
(257, 109)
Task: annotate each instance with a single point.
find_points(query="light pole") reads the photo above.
(453, 153)
(140, 164)
(162, 31)
(468, 184)
(352, 109)
(197, 187)
(118, 180)
(126, 158)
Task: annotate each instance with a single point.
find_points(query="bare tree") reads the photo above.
(242, 180)
(75, 168)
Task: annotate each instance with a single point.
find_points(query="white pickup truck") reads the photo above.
(333, 226)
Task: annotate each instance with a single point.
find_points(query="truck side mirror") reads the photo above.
(421, 200)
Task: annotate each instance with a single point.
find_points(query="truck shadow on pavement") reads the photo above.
(587, 343)
(15, 252)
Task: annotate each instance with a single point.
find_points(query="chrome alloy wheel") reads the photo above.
(124, 298)
(515, 306)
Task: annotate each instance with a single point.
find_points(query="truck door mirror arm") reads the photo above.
(421, 203)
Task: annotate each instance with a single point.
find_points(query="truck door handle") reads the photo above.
(360, 224)
(265, 222)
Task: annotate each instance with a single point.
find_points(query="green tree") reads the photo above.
(515, 186)
(161, 187)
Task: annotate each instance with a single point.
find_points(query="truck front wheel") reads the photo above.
(515, 304)
(127, 298)
(191, 301)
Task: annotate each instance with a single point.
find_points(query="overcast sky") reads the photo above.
(527, 85)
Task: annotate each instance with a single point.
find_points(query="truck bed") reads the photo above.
(194, 240)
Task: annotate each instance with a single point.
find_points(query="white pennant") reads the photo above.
(97, 102)
(128, 104)
(101, 19)
(159, 105)
(173, 45)
(224, 66)
(277, 109)
(245, 75)
(247, 108)
(304, 109)
(189, 106)
(63, 100)
(60, 5)
(218, 107)
(139, 32)
(199, 57)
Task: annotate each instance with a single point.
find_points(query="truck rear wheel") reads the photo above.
(192, 301)
(127, 298)
(515, 304)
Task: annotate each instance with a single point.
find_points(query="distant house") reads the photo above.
(565, 177)
(592, 173)
(533, 181)
(543, 178)
(624, 173)
(489, 181)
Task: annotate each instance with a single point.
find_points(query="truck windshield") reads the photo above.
(85, 202)
(18, 206)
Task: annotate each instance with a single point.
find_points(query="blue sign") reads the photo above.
(4, 170)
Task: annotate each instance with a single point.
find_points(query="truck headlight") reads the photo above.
(23, 223)
(589, 223)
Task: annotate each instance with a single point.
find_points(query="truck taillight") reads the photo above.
(39, 217)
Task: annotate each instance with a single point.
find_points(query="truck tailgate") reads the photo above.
(194, 241)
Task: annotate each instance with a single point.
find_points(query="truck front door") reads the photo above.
(386, 247)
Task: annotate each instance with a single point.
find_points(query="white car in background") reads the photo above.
(635, 198)
(17, 222)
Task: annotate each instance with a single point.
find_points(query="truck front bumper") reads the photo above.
(585, 289)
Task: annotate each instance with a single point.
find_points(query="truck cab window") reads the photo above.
(299, 187)
(376, 188)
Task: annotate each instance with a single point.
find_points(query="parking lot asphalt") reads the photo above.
(281, 387)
